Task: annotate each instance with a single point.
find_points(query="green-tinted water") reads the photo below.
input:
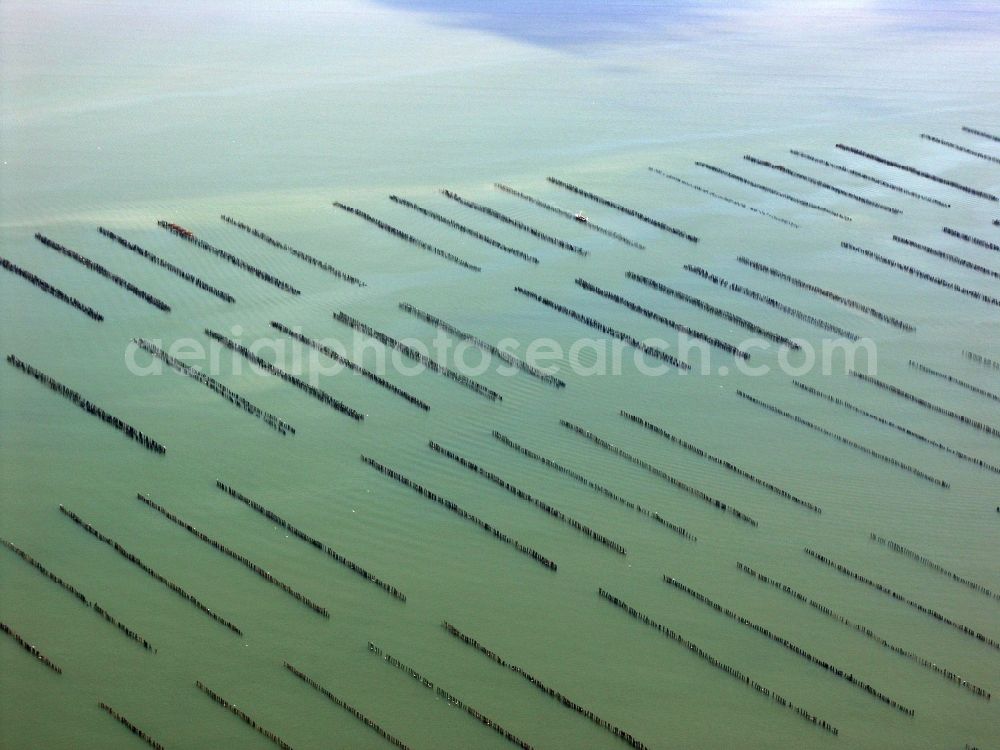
(125, 114)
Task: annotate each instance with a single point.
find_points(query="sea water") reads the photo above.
(122, 114)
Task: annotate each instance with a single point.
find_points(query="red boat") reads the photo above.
(180, 230)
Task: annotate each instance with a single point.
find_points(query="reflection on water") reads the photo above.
(574, 23)
(121, 113)
(562, 23)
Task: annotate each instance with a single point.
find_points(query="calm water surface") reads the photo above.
(120, 114)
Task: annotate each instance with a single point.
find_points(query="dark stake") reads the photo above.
(162, 263)
(131, 727)
(772, 191)
(795, 649)
(298, 382)
(888, 423)
(866, 631)
(187, 234)
(595, 486)
(243, 560)
(621, 734)
(30, 648)
(722, 197)
(413, 354)
(694, 491)
(900, 549)
(91, 408)
(845, 301)
(449, 697)
(651, 351)
(922, 274)
(102, 271)
(46, 287)
(408, 237)
(819, 183)
(624, 209)
(952, 379)
(982, 427)
(460, 512)
(325, 548)
(841, 439)
(78, 595)
(364, 372)
(900, 598)
(870, 178)
(464, 229)
(717, 311)
(347, 707)
(652, 315)
(947, 256)
(963, 149)
(979, 359)
(981, 133)
(247, 719)
(212, 384)
(656, 429)
(771, 302)
(522, 495)
(504, 356)
(569, 215)
(297, 253)
(720, 665)
(918, 172)
(134, 559)
(972, 240)
(515, 223)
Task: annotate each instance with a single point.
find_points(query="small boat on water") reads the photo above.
(581, 217)
(178, 229)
